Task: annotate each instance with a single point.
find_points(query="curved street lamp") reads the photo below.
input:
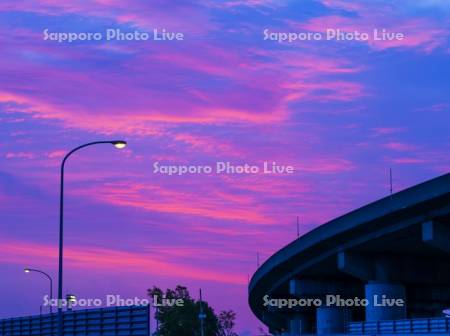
(116, 143)
(29, 270)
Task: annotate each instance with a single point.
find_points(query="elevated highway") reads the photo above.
(398, 247)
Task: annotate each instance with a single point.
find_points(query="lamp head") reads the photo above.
(26, 270)
(119, 144)
(71, 298)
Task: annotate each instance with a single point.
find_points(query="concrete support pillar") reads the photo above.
(436, 234)
(331, 320)
(299, 325)
(386, 270)
(356, 265)
(328, 320)
(375, 292)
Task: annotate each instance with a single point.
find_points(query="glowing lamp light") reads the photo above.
(71, 298)
(119, 144)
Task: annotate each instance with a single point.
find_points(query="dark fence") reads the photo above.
(408, 327)
(102, 322)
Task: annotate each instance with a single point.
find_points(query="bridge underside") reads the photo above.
(403, 254)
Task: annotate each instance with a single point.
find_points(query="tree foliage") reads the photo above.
(226, 323)
(184, 320)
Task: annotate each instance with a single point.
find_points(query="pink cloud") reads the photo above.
(399, 146)
(310, 65)
(343, 4)
(188, 202)
(439, 107)
(20, 155)
(145, 15)
(85, 258)
(56, 154)
(408, 160)
(206, 144)
(280, 79)
(327, 166)
(255, 4)
(420, 33)
(326, 91)
(388, 130)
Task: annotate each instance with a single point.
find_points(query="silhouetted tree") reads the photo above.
(184, 320)
(226, 322)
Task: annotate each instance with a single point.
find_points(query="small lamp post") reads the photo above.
(29, 270)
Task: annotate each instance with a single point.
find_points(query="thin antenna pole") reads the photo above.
(257, 259)
(390, 180)
(298, 228)
(201, 315)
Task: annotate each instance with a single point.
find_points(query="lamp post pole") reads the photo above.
(28, 270)
(118, 144)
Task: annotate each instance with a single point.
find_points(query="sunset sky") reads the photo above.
(341, 112)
